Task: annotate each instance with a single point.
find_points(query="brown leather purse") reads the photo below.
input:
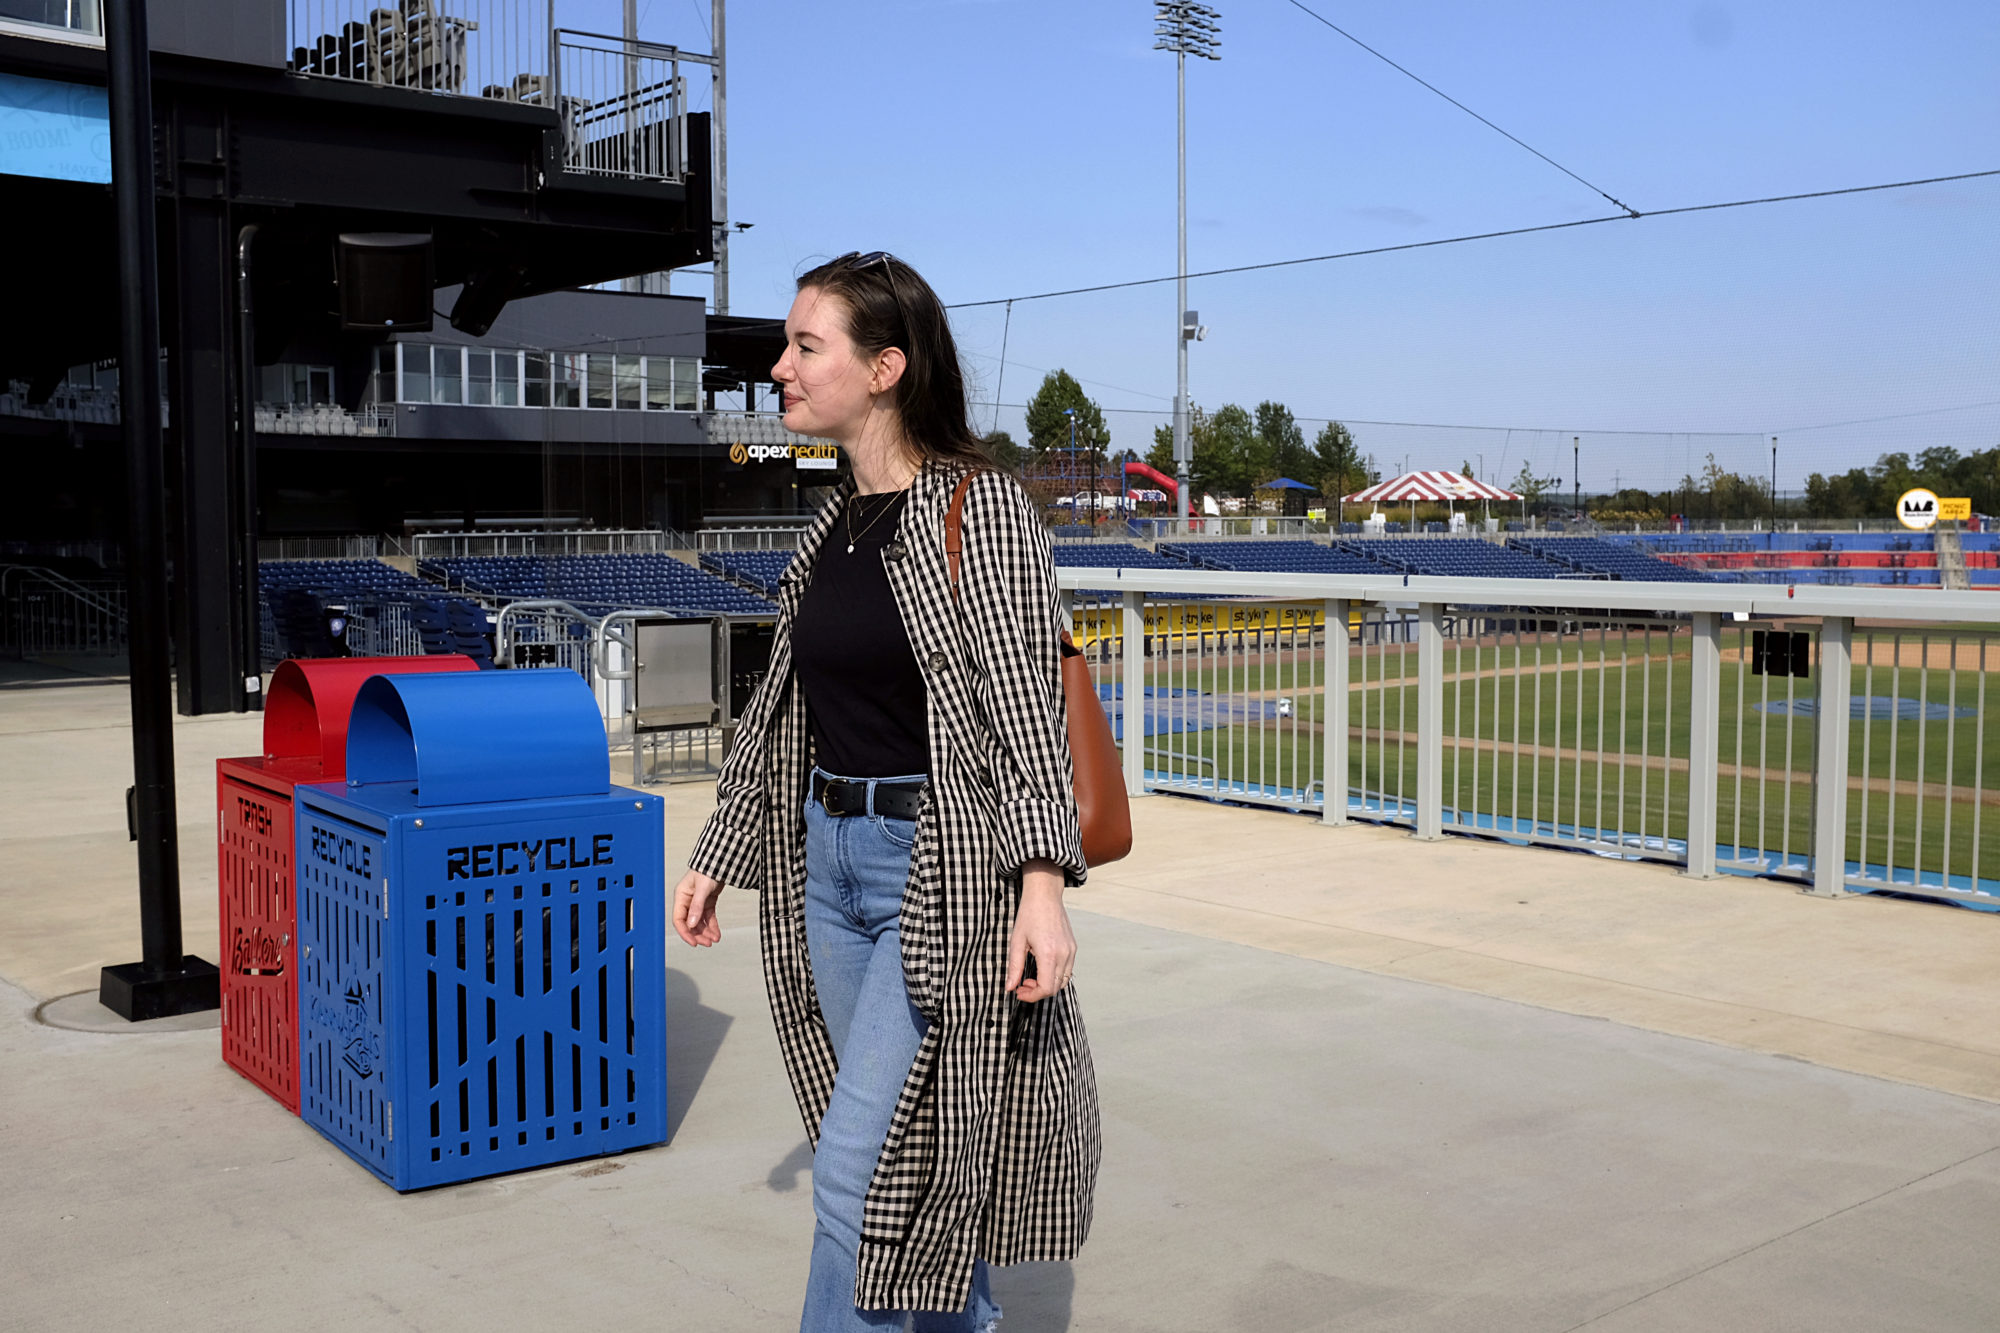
(1104, 815)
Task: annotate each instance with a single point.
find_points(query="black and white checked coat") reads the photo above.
(994, 1148)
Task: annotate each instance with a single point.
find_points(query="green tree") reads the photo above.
(1048, 426)
(1532, 488)
(1336, 465)
(1871, 492)
(1006, 454)
(1225, 448)
(1282, 443)
(1226, 451)
(1161, 456)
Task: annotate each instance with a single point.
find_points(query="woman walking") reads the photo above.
(900, 791)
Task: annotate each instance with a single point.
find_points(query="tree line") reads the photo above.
(1858, 493)
(1235, 450)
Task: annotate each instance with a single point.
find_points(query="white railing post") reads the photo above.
(1430, 721)
(1704, 744)
(1333, 715)
(1836, 682)
(1132, 686)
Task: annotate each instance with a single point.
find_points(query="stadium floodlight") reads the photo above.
(1185, 28)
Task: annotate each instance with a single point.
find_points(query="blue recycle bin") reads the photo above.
(481, 934)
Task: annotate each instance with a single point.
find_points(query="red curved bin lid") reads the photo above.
(306, 711)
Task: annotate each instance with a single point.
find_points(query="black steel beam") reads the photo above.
(165, 980)
(200, 357)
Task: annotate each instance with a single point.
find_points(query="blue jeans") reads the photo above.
(855, 868)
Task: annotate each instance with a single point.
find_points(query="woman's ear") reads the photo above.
(887, 371)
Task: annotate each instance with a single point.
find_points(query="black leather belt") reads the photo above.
(847, 796)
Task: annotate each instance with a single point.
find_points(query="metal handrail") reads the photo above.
(62, 583)
(1749, 599)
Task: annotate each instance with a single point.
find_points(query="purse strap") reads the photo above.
(954, 530)
(954, 547)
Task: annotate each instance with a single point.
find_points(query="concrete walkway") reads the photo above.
(1349, 1081)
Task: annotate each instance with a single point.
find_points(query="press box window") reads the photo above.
(448, 375)
(628, 383)
(535, 379)
(598, 369)
(687, 385)
(479, 376)
(416, 386)
(566, 379)
(507, 379)
(78, 16)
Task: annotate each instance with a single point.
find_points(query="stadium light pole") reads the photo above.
(1772, 541)
(1576, 478)
(1186, 29)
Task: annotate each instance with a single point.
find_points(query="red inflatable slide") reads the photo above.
(1153, 474)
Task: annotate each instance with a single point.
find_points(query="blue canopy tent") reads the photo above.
(1287, 484)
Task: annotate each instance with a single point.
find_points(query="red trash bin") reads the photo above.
(305, 740)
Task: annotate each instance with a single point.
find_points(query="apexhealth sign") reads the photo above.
(823, 456)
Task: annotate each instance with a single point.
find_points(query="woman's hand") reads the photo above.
(1041, 929)
(694, 909)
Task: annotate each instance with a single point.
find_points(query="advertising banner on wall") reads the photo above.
(58, 131)
(818, 457)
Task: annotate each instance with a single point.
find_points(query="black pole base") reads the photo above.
(135, 992)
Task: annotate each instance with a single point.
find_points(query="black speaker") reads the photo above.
(385, 280)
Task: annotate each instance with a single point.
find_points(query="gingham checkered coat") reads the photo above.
(994, 1148)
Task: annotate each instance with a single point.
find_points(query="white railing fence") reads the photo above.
(622, 104)
(356, 547)
(456, 542)
(1720, 728)
(748, 539)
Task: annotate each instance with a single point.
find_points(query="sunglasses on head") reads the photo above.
(854, 262)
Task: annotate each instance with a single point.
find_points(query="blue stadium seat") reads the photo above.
(1457, 557)
(606, 582)
(1618, 560)
(1293, 556)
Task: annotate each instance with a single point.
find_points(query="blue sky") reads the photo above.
(1016, 146)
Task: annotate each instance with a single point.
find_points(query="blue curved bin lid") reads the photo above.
(474, 737)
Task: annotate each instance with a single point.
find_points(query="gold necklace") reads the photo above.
(848, 514)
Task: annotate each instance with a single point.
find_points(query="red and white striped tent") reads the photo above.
(1449, 487)
(1445, 487)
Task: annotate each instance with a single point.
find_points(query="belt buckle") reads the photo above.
(826, 796)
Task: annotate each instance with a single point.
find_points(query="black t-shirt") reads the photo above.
(864, 692)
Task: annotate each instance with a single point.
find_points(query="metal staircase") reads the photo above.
(1951, 559)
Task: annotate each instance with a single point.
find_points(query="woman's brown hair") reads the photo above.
(889, 304)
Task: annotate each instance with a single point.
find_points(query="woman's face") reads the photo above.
(829, 388)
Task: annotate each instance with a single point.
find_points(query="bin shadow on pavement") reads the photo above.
(694, 1035)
